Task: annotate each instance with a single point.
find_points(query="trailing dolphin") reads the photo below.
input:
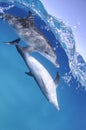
(41, 76)
(28, 32)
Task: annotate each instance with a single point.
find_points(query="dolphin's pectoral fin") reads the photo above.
(14, 42)
(29, 73)
(57, 79)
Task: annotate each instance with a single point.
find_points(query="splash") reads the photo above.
(3, 9)
(64, 35)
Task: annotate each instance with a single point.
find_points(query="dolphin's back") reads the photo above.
(26, 29)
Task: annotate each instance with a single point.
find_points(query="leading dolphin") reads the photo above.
(27, 31)
(41, 76)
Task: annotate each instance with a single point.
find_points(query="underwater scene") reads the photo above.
(42, 76)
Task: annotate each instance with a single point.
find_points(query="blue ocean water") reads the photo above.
(22, 105)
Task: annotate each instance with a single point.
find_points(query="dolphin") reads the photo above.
(27, 31)
(42, 77)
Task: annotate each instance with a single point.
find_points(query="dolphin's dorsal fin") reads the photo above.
(29, 73)
(31, 18)
(57, 79)
(30, 14)
(14, 42)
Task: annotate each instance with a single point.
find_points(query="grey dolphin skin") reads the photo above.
(28, 32)
(41, 76)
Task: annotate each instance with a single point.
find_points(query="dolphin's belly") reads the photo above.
(46, 85)
(43, 78)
